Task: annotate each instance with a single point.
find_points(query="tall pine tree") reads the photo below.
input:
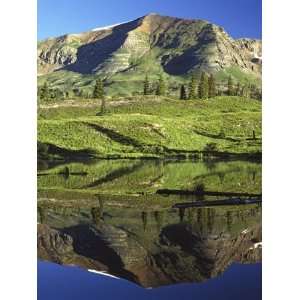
(211, 86)
(203, 88)
(230, 90)
(44, 92)
(245, 91)
(99, 94)
(183, 95)
(147, 89)
(193, 88)
(161, 87)
(238, 89)
(98, 90)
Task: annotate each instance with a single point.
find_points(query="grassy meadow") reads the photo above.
(152, 126)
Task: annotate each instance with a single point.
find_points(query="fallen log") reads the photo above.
(223, 202)
(205, 193)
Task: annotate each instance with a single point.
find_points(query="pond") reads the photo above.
(105, 229)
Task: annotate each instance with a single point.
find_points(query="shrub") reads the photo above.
(211, 147)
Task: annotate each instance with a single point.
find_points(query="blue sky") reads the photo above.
(240, 18)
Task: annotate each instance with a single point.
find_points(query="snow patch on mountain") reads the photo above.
(108, 27)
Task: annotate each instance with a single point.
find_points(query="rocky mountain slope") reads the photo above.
(199, 247)
(153, 44)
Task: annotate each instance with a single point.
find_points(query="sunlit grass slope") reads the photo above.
(154, 126)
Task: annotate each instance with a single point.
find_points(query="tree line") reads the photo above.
(202, 87)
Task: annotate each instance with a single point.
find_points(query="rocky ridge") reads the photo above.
(178, 46)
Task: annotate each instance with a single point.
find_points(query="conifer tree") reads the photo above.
(99, 94)
(238, 89)
(158, 216)
(103, 106)
(211, 86)
(230, 90)
(192, 88)
(161, 87)
(98, 90)
(245, 91)
(44, 92)
(203, 88)
(183, 95)
(147, 90)
(145, 219)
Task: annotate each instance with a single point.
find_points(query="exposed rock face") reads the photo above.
(53, 244)
(181, 254)
(107, 244)
(179, 46)
(188, 256)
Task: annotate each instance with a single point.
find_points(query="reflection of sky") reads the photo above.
(63, 283)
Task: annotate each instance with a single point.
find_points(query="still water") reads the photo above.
(109, 217)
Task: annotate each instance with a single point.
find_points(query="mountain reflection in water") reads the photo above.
(107, 217)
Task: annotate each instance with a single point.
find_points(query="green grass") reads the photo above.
(153, 126)
(138, 177)
(238, 76)
(130, 82)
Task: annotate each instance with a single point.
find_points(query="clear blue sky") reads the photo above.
(240, 18)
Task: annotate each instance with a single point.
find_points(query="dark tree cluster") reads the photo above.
(45, 93)
(158, 88)
(98, 90)
(199, 89)
(100, 94)
(246, 90)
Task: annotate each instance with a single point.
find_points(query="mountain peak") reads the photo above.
(172, 45)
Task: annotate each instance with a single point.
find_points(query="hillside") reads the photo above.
(152, 44)
(151, 127)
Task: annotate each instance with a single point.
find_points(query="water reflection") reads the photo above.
(108, 217)
(151, 248)
(140, 177)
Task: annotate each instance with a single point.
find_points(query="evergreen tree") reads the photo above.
(58, 94)
(103, 106)
(255, 92)
(192, 88)
(161, 87)
(96, 215)
(147, 89)
(203, 89)
(238, 89)
(211, 86)
(183, 95)
(230, 90)
(66, 173)
(98, 90)
(229, 220)
(245, 91)
(43, 214)
(145, 219)
(181, 211)
(158, 216)
(44, 92)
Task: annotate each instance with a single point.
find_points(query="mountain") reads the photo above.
(151, 44)
(194, 250)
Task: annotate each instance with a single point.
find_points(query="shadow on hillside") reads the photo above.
(215, 136)
(115, 136)
(192, 57)
(115, 175)
(90, 56)
(49, 155)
